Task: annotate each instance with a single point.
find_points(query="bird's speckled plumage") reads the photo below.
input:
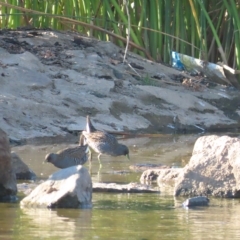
(68, 157)
(103, 142)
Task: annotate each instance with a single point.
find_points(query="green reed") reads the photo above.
(203, 29)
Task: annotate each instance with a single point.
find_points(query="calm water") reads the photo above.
(122, 216)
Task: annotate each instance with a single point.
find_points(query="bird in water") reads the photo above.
(103, 142)
(69, 157)
(89, 126)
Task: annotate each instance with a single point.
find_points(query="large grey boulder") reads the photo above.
(21, 169)
(68, 188)
(214, 169)
(8, 185)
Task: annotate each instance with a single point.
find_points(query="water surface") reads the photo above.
(122, 216)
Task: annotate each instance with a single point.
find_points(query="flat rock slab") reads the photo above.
(26, 188)
(123, 188)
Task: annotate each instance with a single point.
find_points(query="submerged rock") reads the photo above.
(151, 175)
(212, 170)
(8, 185)
(196, 201)
(166, 174)
(21, 170)
(68, 188)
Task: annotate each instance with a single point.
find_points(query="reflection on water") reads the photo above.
(61, 224)
(123, 216)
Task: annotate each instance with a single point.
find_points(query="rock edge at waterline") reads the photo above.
(213, 170)
(68, 188)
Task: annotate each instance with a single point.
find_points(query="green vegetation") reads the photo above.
(146, 80)
(203, 29)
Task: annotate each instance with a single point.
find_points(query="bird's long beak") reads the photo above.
(128, 156)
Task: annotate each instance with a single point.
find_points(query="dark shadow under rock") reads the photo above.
(22, 171)
(8, 185)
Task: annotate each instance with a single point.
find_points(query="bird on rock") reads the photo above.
(103, 142)
(69, 157)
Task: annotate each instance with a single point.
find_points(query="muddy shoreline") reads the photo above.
(50, 82)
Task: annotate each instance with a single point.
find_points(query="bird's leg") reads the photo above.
(99, 160)
(99, 175)
(90, 169)
(90, 156)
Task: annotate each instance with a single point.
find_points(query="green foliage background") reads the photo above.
(200, 28)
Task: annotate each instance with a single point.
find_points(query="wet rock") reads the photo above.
(150, 175)
(123, 188)
(140, 167)
(196, 201)
(21, 169)
(8, 186)
(27, 187)
(15, 142)
(67, 188)
(167, 175)
(212, 170)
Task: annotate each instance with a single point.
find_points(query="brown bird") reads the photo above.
(89, 126)
(103, 142)
(69, 157)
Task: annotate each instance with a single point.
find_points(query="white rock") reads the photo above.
(68, 188)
